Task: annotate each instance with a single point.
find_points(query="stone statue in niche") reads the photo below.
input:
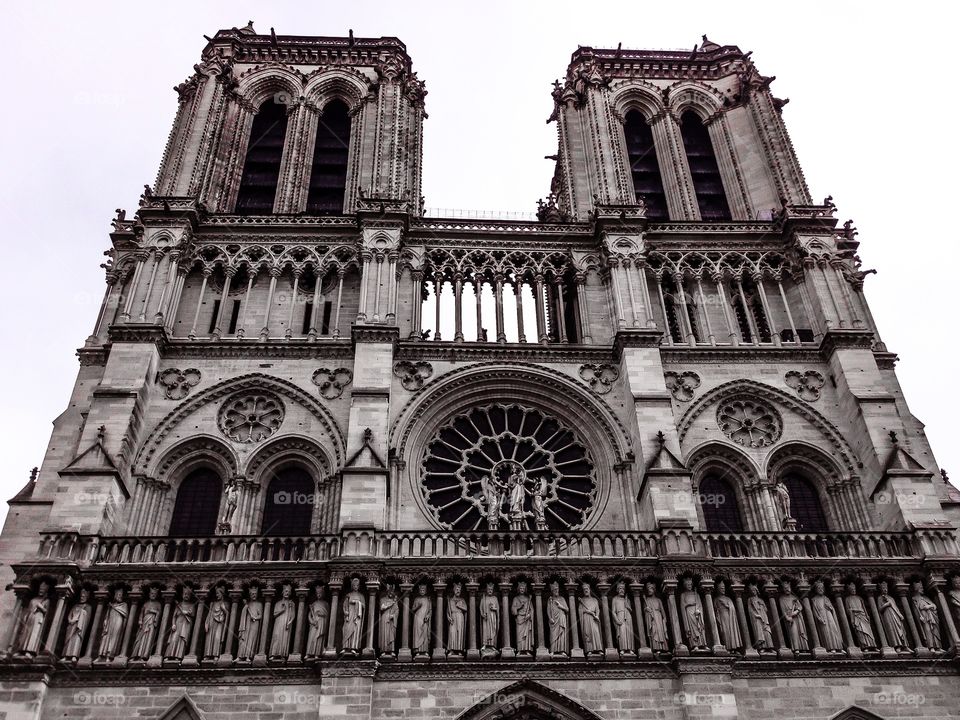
(250, 619)
(517, 491)
(557, 614)
(892, 619)
(539, 505)
(112, 633)
(178, 637)
(859, 619)
(318, 618)
(215, 624)
(389, 612)
(284, 613)
(726, 613)
(825, 616)
(522, 610)
(792, 613)
(622, 616)
(953, 599)
(759, 621)
(656, 619)
(691, 609)
(590, 621)
(31, 625)
(354, 607)
(149, 624)
(782, 499)
(489, 620)
(77, 622)
(422, 615)
(491, 501)
(456, 619)
(231, 497)
(926, 610)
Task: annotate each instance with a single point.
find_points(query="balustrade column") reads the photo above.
(376, 288)
(404, 653)
(458, 309)
(94, 633)
(297, 272)
(786, 308)
(372, 587)
(157, 258)
(542, 337)
(610, 652)
(224, 297)
(191, 658)
(613, 266)
(392, 278)
(643, 648)
(330, 651)
(134, 285)
(947, 616)
(166, 292)
(718, 647)
(561, 311)
(207, 272)
(852, 649)
(336, 322)
(315, 307)
(706, 312)
(245, 318)
(747, 311)
(226, 656)
(901, 591)
(265, 330)
(365, 257)
(472, 652)
(518, 291)
(748, 649)
(542, 650)
(580, 280)
(56, 624)
(14, 625)
(265, 627)
(575, 650)
(506, 651)
(498, 304)
(437, 290)
(439, 654)
(725, 306)
(296, 655)
(416, 324)
(774, 333)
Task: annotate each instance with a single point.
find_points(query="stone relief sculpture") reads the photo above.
(389, 612)
(859, 619)
(926, 611)
(621, 614)
(284, 614)
(354, 607)
(178, 636)
(522, 611)
(589, 615)
(557, 614)
(250, 619)
(113, 623)
(825, 616)
(149, 624)
(691, 609)
(31, 628)
(318, 619)
(489, 619)
(791, 611)
(726, 613)
(77, 622)
(215, 623)
(456, 620)
(782, 498)
(422, 609)
(892, 619)
(656, 619)
(759, 621)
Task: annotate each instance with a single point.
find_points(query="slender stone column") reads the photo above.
(157, 258)
(518, 291)
(718, 647)
(687, 314)
(135, 597)
(783, 650)
(706, 313)
(649, 320)
(748, 312)
(393, 275)
(725, 306)
(191, 658)
(56, 624)
(224, 297)
(542, 650)
(207, 272)
(542, 337)
(610, 651)
(227, 656)
(852, 649)
(94, 633)
(265, 627)
(498, 297)
(786, 308)
(376, 288)
(822, 266)
(14, 625)
(580, 279)
(336, 322)
(296, 655)
(679, 647)
(507, 650)
(667, 334)
(575, 650)
(245, 318)
(458, 308)
(748, 649)
(142, 256)
(804, 591)
(643, 647)
(439, 653)
(901, 591)
(472, 652)
(869, 589)
(169, 286)
(937, 585)
(627, 266)
(173, 307)
(297, 272)
(372, 587)
(771, 324)
(163, 629)
(265, 330)
(437, 292)
(561, 310)
(613, 266)
(405, 654)
(330, 651)
(416, 329)
(365, 258)
(315, 307)
(478, 293)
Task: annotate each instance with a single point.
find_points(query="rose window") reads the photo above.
(508, 467)
(250, 418)
(749, 422)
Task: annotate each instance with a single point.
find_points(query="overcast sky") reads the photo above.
(89, 105)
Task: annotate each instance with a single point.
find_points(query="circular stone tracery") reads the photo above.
(250, 417)
(485, 447)
(749, 422)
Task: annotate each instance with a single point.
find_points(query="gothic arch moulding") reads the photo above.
(817, 464)
(533, 387)
(186, 455)
(527, 699)
(265, 81)
(325, 84)
(276, 453)
(638, 95)
(704, 100)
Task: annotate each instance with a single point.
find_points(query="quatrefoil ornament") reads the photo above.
(807, 384)
(600, 378)
(332, 382)
(177, 383)
(413, 375)
(682, 385)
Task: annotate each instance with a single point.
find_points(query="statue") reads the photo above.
(489, 619)
(250, 619)
(825, 616)
(522, 611)
(892, 619)
(422, 610)
(792, 613)
(926, 610)
(216, 623)
(622, 616)
(231, 496)
(691, 609)
(953, 599)
(782, 498)
(518, 492)
(389, 612)
(112, 634)
(590, 621)
(726, 613)
(655, 620)
(456, 619)
(759, 621)
(284, 613)
(539, 505)
(859, 619)
(491, 501)
(178, 637)
(353, 609)
(31, 625)
(557, 612)
(77, 622)
(318, 618)
(149, 623)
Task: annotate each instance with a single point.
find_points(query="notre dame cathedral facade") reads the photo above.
(644, 456)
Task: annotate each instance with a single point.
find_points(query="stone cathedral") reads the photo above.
(641, 455)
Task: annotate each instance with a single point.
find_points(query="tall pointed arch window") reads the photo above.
(328, 174)
(644, 168)
(805, 504)
(707, 183)
(718, 502)
(197, 505)
(288, 507)
(261, 169)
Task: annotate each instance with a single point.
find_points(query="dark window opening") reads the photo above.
(328, 174)
(755, 307)
(307, 316)
(261, 169)
(644, 168)
(197, 506)
(213, 318)
(805, 504)
(327, 309)
(707, 183)
(234, 317)
(288, 508)
(718, 502)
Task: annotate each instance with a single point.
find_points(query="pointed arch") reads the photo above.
(182, 709)
(855, 712)
(266, 81)
(326, 83)
(527, 699)
(638, 95)
(713, 463)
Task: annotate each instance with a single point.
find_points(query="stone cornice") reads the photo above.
(636, 338)
(845, 339)
(679, 355)
(375, 334)
(516, 352)
(139, 333)
(300, 349)
(93, 356)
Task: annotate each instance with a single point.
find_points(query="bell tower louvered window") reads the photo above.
(644, 168)
(707, 183)
(328, 175)
(261, 169)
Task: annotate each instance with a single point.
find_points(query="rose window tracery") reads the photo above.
(250, 417)
(749, 422)
(508, 467)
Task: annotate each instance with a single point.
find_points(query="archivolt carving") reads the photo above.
(637, 95)
(730, 460)
(205, 447)
(290, 447)
(526, 699)
(319, 258)
(521, 263)
(328, 82)
(696, 264)
(801, 454)
(703, 99)
(264, 81)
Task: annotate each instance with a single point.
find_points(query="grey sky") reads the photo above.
(89, 106)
